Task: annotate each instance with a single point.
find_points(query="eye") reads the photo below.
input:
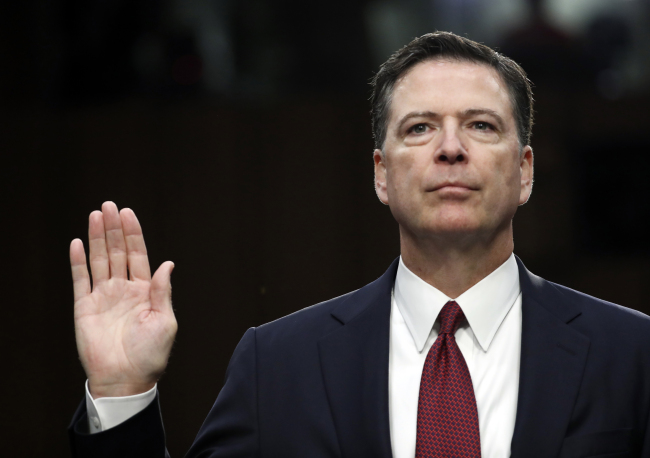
(418, 129)
(482, 125)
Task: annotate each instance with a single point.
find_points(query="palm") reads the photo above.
(125, 327)
(116, 325)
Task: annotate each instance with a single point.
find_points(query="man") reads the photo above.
(457, 350)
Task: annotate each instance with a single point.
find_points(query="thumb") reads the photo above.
(161, 288)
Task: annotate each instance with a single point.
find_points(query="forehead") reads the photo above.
(450, 86)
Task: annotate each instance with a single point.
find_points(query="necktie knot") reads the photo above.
(450, 316)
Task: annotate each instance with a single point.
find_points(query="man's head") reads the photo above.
(448, 46)
(452, 158)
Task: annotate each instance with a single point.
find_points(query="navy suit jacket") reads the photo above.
(315, 384)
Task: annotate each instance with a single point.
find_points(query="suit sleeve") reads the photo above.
(142, 435)
(645, 439)
(230, 430)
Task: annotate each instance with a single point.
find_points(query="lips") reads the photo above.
(454, 185)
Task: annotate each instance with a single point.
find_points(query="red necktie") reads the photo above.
(447, 415)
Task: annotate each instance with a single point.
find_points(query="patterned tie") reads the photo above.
(447, 415)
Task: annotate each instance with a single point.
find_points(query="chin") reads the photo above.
(449, 228)
(452, 221)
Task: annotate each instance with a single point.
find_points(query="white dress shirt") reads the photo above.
(490, 341)
(104, 413)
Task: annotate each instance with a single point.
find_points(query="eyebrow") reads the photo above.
(465, 114)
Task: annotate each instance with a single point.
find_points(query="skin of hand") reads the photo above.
(124, 325)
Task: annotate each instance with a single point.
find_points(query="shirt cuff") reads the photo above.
(105, 413)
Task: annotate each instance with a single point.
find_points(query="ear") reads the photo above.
(526, 171)
(380, 176)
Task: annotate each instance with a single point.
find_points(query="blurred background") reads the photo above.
(239, 133)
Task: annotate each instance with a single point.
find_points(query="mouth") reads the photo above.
(453, 187)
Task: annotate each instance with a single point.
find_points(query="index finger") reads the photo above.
(80, 277)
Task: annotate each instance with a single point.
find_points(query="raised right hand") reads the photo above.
(125, 326)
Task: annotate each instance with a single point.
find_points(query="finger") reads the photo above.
(97, 248)
(161, 288)
(80, 277)
(115, 244)
(136, 251)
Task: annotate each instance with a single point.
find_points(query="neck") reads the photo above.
(455, 265)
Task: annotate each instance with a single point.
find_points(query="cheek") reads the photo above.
(404, 171)
(514, 181)
(502, 181)
(508, 185)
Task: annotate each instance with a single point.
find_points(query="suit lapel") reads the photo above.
(354, 362)
(553, 357)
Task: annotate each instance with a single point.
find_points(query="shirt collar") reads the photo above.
(485, 304)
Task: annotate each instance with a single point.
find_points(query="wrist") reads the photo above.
(114, 390)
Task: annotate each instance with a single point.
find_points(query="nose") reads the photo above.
(451, 149)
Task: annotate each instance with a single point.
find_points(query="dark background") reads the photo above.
(238, 131)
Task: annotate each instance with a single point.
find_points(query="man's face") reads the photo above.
(452, 165)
